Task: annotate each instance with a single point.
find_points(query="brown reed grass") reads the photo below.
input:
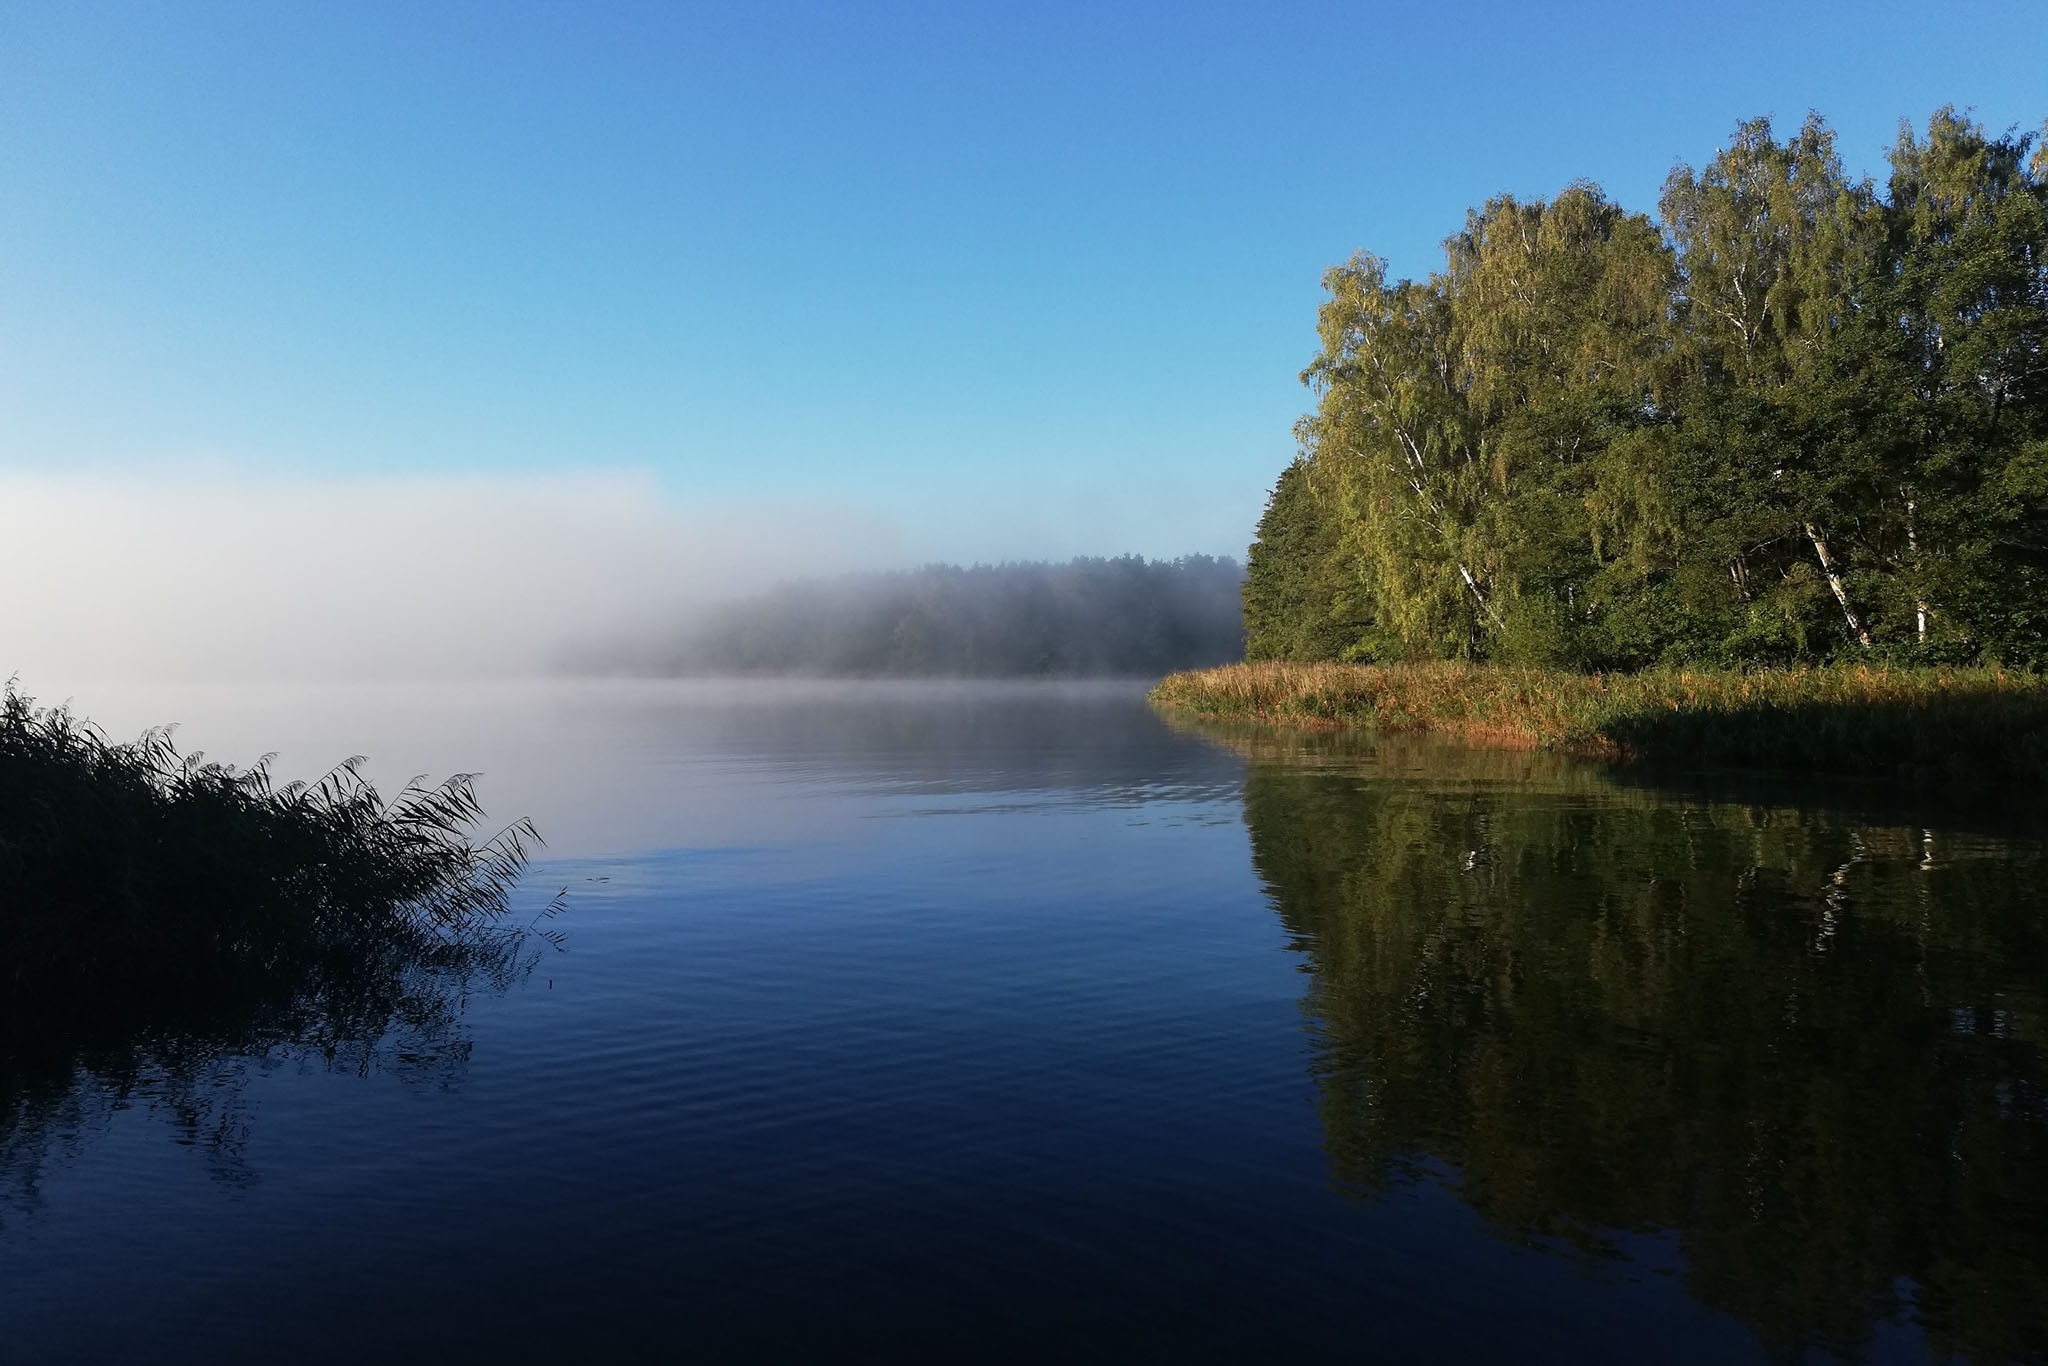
(1986, 725)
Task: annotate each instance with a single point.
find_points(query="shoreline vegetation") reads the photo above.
(130, 870)
(1979, 725)
(1760, 481)
(175, 925)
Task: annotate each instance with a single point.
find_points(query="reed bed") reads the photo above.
(1987, 725)
(126, 866)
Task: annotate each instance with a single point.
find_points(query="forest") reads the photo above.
(1797, 417)
(1121, 616)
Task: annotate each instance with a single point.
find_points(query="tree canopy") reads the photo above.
(1791, 418)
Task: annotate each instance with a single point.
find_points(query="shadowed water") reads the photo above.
(1010, 1021)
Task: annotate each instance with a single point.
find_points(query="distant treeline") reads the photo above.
(1085, 618)
(1798, 416)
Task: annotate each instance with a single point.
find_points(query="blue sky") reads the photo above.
(1017, 278)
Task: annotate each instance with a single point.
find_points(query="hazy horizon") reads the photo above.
(401, 578)
(399, 339)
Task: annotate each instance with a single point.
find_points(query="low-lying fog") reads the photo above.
(121, 579)
(609, 767)
(225, 578)
(426, 623)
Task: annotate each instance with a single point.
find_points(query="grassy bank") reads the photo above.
(1978, 725)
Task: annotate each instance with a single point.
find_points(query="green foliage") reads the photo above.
(1102, 617)
(1795, 419)
(1299, 600)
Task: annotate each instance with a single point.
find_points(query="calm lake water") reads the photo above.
(1008, 1021)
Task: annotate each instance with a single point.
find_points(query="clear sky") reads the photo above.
(1013, 279)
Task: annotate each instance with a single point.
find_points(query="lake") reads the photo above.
(1011, 1021)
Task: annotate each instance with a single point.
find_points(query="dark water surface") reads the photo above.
(1010, 1022)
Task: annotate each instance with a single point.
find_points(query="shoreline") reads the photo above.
(1965, 725)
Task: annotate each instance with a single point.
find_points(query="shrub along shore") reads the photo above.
(1971, 725)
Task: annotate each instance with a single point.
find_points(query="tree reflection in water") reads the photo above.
(1809, 1046)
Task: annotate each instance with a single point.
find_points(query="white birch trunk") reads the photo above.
(1480, 597)
(1913, 554)
(1829, 568)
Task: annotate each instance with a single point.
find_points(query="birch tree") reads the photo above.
(1772, 241)
(1795, 418)
(1966, 280)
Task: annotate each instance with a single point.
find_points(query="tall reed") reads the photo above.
(133, 863)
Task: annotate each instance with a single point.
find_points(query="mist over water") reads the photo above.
(224, 579)
(615, 767)
(605, 614)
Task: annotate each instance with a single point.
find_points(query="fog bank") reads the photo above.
(229, 578)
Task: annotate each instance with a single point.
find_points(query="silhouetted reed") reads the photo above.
(168, 919)
(131, 861)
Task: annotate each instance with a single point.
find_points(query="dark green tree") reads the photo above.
(1960, 324)
(1300, 603)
